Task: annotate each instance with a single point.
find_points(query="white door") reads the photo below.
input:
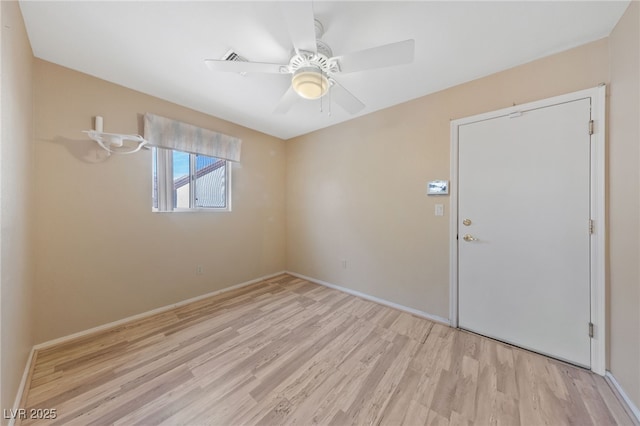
(524, 207)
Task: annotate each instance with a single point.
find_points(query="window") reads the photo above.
(184, 181)
(191, 165)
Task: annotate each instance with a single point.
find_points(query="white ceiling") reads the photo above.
(158, 48)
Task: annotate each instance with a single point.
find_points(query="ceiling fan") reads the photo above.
(312, 66)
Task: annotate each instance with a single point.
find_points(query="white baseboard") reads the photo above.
(149, 313)
(415, 312)
(23, 384)
(632, 409)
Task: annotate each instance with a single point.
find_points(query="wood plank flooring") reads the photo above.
(286, 351)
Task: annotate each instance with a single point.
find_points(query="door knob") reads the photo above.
(468, 237)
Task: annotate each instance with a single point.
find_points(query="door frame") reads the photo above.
(597, 193)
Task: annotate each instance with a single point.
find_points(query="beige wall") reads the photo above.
(357, 191)
(102, 255)
(16, 165)
(624, 203)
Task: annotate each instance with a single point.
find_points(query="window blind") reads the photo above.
(172, 134)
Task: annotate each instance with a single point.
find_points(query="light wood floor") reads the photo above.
(286, 351)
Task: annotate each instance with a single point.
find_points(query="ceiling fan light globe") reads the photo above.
(310, 83)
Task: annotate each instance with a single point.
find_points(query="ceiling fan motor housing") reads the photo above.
(312, 71)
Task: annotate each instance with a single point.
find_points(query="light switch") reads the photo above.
(439, 209)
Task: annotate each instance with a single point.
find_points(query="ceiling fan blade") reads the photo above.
(377, 57)
(345, 99)
(286, 102)
(242, 66)
(298, 16)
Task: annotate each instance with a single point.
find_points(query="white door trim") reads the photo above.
(598, 258)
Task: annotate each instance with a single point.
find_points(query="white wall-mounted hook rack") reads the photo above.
(109, 141)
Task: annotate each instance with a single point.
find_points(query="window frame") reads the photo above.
(156, 180)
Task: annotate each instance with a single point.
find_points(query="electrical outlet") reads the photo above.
(199, 270)
(343, 262)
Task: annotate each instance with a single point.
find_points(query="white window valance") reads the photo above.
(167, 133)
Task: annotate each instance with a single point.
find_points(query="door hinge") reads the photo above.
(591, 127)
(591, 226)
(590, 329)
